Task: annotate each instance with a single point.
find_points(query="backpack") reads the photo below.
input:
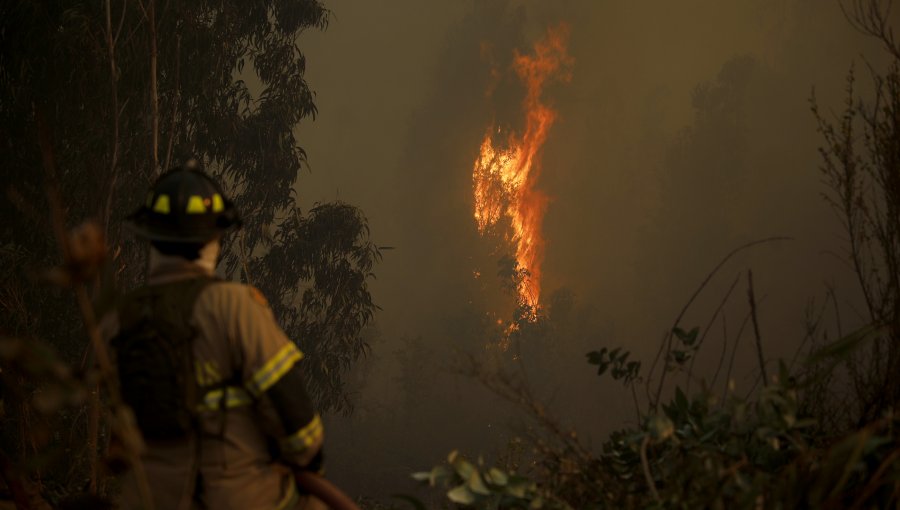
(155, 357)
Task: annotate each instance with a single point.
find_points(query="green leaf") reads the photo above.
(463, 467)
(461, 495)
(432, 477)
(496, 477)
(476, 484)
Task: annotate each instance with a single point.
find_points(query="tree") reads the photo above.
(97, 98)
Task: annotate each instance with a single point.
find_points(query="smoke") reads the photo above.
(684, 132)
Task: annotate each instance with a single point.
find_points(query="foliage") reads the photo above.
(622, 369)
(317, 271)
(477, 485)
(699, 452)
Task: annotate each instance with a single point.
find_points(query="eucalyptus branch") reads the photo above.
(173, 128)
(154, 91)
(114, 99)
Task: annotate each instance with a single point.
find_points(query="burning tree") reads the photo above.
(507, 201)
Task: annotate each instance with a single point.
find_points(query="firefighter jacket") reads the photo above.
(257, 424)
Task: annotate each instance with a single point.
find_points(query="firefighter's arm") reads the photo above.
(271, 372)
(301, 445)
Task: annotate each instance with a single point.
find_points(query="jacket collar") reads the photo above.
(170, 268)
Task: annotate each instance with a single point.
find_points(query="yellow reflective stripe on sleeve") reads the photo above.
(290, 499)
(234, 397)
(274, 369)
(304, 438)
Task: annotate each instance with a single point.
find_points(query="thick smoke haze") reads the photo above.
(684, 132)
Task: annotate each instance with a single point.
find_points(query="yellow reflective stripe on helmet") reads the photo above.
(218, 205)
(195, 205)
(274, 369)
(162, 204)
(234, 397)
(304, 438)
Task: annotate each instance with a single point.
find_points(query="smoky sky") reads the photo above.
(684, 132)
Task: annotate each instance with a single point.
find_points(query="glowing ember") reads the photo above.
(504, 178)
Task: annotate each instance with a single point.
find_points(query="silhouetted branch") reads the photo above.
(759, 348)
(872, 17)
(667, 340)
(708, 328)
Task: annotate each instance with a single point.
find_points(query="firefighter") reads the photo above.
(250, 426)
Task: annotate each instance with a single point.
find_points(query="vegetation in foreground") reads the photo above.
(818, 431)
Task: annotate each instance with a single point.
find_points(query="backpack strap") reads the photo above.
(172, 304)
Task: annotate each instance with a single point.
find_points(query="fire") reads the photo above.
(504, 177)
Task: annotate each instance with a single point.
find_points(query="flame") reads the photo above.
(504, 178)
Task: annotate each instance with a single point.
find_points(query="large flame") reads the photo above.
(504, 177)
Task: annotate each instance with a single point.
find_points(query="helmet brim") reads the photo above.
(137, 223)
(151, 234)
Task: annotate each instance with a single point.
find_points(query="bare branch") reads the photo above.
(667, 340)
(759, 349)
(708, 327)
(646, 466)
(871, 17)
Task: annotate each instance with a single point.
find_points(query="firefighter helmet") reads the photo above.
(184, 205)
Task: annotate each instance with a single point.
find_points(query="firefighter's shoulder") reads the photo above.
(234, 294)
